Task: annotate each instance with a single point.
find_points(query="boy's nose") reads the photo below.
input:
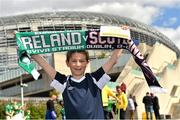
(78, 63)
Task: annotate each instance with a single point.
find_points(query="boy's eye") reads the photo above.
(78, 61)
(73, 60)
(82, 60)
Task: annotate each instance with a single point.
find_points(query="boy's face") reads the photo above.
(77, 64)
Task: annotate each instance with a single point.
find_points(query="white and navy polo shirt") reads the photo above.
(82, 98)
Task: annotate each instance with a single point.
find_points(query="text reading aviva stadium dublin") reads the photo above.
(44, 42)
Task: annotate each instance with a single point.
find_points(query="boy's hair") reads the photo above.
(69, 54)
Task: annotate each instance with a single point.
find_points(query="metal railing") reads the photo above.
(33, 86)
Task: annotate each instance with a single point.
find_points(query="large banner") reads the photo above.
(107, 37)
(48, 42)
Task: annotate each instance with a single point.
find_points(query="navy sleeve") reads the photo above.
(98, 73)
(60, 77)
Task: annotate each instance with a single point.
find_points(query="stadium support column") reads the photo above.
(83, 27)
(34, 26)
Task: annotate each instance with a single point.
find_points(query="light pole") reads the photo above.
(22, 94)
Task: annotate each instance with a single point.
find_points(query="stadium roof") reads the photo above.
(90, 17)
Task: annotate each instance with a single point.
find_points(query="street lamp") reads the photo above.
(22, 93)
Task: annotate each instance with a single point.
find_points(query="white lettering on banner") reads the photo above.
(111, 41)
(72, 47)
(45, 50)
(99, 46)
(55, 38)
(27, 41)
(101, 41)
(91, 35)
(36, 41)
(144, 64)
(44, 42)
(95, 38)
(67, 39)
(85, 38)
(134, 50)
(74, 40)
(31, 51)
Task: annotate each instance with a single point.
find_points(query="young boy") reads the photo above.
(81, 92)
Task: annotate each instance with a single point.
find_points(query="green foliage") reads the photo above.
(58, 109)
(2, 110)
(37, 109)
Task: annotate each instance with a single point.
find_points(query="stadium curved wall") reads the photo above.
(55, 21)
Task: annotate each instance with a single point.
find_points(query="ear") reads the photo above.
(88, 62)
(67, 63)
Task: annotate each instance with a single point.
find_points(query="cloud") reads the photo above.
(131, 10)
(172, 34)
(13, 6)
(170, 22)
(123, 8)
(141, 10)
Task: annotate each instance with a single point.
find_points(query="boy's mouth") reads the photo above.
(78, 69)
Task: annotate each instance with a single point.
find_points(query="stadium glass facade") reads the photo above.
(60, 21)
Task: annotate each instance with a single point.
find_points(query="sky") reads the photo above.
(163, 15)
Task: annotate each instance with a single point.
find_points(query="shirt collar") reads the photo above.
(76, 80)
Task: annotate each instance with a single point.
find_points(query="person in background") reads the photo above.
(148, 103)
(131, 107)
(107, 106)
(9, 110)
(135, 105)
(62, 111)
(18, 110)
(156, 107)
(123, 87)
(122, 104)
(27, 115)
(50, 112)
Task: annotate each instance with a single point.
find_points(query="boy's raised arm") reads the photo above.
(43, 63)
(112, 61)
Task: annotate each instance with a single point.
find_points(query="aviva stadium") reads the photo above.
(160, 52)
